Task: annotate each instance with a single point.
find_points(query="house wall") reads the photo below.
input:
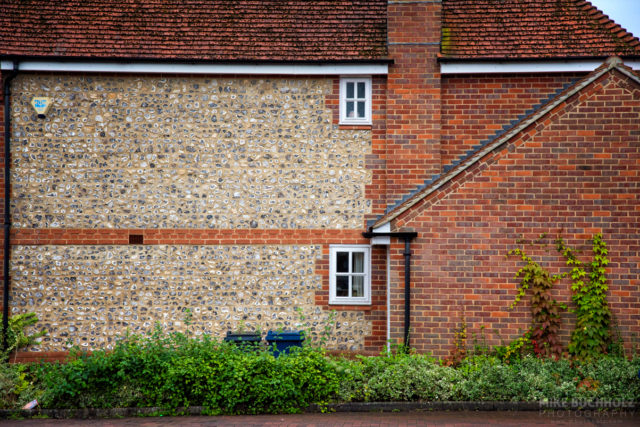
(476, 107)
(237, 187)
(574, 173)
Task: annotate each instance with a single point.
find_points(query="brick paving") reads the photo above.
(437, 418)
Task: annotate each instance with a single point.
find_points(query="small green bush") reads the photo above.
(404, 377)
(488, 378)
(611, 378)
(18, 334)
(18, 385)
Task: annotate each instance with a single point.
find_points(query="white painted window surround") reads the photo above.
(349, 274)
(355, 100)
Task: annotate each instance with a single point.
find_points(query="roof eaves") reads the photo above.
(200, 60)
(437, 181)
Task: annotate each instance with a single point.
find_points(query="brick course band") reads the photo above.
(178, 236)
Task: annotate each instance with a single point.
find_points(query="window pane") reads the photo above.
(342, 286)
(357, 283)
(361, 109)
(350, 112)
(342, 262)
(360, 90)
(350, 90)
(358, 262)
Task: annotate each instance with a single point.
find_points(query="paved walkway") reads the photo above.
(462, 419)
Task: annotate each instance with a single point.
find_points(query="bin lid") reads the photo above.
(243, 336)
(285, 336)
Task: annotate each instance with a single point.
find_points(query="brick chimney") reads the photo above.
(413, 95)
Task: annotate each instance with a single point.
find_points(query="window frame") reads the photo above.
(334, 299)
(366, 120)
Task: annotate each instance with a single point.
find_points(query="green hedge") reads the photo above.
(174, 371)
(486, 378)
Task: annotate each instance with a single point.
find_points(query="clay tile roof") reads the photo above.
(215, 30)
(532, 29)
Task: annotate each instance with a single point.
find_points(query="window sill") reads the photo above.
(355, 126)
(351, 307)
(333, 302)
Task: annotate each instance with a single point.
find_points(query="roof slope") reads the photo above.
(221, 30)
(531, 29)
(503, 137)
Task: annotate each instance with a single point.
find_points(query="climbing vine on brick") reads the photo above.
(545, 310)
(592, 334)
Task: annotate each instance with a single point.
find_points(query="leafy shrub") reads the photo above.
(17, 336)
(407, 377)
(478, 378)
(18, 385)
(612, 378)
(173, 371)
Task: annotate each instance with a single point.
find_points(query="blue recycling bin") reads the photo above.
(281, 342)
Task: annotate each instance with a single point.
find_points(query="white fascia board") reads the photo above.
(177, 68)
(382, 240)
(383, 228)
(489, 67)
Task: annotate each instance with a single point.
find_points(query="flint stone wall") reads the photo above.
(88, 295)
(136, 152)
(184, 152)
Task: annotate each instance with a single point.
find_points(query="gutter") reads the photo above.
(7, 200)
(407, 236)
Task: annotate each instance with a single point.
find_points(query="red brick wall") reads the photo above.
(38, 356)
(377, 190)
(2, 129)
(575, 172)
(475, 107)
(413, 98)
